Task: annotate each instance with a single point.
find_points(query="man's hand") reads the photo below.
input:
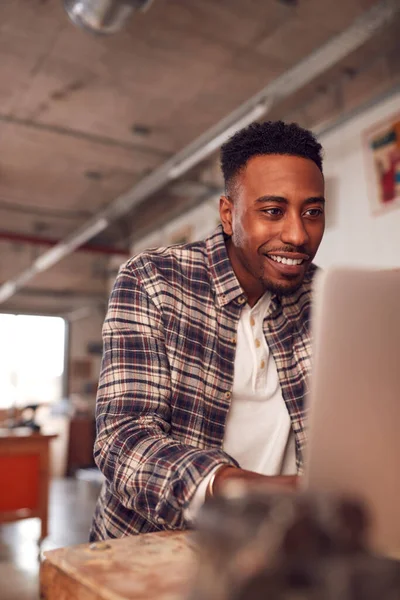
(278, 483)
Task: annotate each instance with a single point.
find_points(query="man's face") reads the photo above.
(275, 220)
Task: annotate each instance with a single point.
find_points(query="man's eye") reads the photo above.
(314, 212)
(274, 212)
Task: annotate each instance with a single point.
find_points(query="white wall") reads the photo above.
(356, 237)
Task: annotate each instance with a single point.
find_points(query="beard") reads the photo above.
(281, 289)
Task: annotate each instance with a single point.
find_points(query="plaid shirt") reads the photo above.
(167, 375)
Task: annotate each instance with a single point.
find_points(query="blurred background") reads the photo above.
(111, 117)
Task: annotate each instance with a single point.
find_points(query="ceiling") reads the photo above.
(85, 119)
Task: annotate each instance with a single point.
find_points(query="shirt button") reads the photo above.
(262, 364)
(160, 521)
(241, 300)
(252, 321)
(258, 343)
(234, 340)
(228, 395)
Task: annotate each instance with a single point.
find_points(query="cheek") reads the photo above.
(239, 233)
(316, 234)
(250, 233)
(246, 244)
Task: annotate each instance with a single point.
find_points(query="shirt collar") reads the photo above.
(225, 281)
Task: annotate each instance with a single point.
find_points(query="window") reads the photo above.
(31, 359)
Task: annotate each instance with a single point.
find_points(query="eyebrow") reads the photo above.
(282, 200)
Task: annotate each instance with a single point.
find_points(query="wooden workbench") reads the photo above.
(154, 566)
(157, 566)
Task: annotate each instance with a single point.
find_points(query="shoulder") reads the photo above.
(158, 269)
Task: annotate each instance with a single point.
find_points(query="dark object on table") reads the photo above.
(258, 546)
(26, 418)
(29, 417)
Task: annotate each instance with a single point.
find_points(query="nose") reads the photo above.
(293, 231)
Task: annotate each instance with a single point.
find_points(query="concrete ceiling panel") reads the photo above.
(84, 118)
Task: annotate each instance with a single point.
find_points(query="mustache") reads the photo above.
(287, 249)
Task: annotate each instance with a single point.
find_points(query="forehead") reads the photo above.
(281, 175)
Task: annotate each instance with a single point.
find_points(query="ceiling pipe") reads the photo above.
(23, 238)
(305, 71)
(258, 111)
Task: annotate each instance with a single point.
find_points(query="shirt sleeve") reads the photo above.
(149, 472)
(191, 511)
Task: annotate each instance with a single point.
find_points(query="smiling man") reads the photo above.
(207, 345)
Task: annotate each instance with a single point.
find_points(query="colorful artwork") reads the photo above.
(383, 155)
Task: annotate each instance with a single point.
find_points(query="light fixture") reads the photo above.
(103, 16)
(198, 155)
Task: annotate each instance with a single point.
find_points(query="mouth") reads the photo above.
(291, 264)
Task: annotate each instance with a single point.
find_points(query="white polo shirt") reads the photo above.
(258, 433)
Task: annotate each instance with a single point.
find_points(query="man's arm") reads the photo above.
(227, 473)
(150, 472)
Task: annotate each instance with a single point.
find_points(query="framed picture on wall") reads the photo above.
(382, 151)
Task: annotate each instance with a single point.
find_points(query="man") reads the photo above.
(207, 345)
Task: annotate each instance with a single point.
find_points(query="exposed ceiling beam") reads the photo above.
(23, 238)
(332, 124)
(93, 138)
(295, 78)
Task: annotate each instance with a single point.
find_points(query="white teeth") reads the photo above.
(287, 261)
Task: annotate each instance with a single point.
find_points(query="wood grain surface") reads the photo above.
(156, 566)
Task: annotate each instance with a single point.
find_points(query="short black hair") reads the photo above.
(269, 137)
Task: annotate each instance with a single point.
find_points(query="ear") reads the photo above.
(225, 213)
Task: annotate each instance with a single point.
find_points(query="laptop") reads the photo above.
(354, 401)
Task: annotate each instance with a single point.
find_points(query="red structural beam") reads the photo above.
(24, 238)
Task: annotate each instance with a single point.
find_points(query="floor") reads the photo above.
(71, 508)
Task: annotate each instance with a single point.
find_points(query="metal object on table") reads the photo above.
(255, 545)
